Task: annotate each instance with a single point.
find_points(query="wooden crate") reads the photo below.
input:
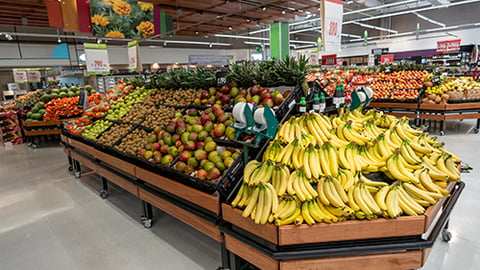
(341, 231)
(384, 261)
(180, 190)
(42, 123)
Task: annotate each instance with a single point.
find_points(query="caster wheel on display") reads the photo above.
(442, 133)
(147, 223)
(103, 194)
(446, 235)
(70, 168)
(77, 174)
(475, 131)
(34, 146)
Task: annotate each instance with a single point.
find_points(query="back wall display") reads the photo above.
(121, 18)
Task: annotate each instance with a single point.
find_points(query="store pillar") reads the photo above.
(279, 40)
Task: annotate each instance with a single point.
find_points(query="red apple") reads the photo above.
(255, 90)
(225, 99)
(226, 89)
(268, 102)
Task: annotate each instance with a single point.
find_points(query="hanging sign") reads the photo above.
(20, 75)
(448, 45)
(386, 59)
(339, 62)
(332, 19)
(97, 58)
(34, 75)
(371, 59)
(329, 60)
(132, 55)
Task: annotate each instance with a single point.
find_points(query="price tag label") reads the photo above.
(388, 70)
(332, 18)
(435, 79)
(221, 77)
(83, 99)
(97, 58)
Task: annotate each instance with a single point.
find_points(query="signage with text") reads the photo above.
(332, 19)
(20, 75)
(386, 59)
(34, 75)
(97, 58)
(132, 55)
(329, 60)
(448, 45)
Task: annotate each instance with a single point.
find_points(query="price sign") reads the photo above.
(332, 19)
(386, 59)
(448, 45)
(132, 55)
(34, 75)
(97, 58)
(20, 75)
(329, 60)
(83, 99)
(221, 77)
(435, 79)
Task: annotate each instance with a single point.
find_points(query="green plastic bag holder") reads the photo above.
(356, 102)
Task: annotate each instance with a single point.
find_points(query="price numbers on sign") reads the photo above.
(333, 29)
(435, 79)
(98, 63)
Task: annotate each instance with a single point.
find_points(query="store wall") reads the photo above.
(409, 43)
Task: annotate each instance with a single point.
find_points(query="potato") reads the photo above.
(428, 84)
(430, 102)
(424, 100)
(438, 99)
(445, 96)
(432, 96)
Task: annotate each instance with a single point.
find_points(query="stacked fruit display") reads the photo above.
(67, 107)
(450, 88)
(36, 113)
(321, 169)
(160, 117)
(179, 97)
(192, 137)
(123, 105)
(113, 134)
(132, 142)
(92, 131)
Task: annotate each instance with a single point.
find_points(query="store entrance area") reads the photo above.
(51, 220)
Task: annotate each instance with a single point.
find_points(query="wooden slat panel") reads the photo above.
(182, 215)
(393, 105)
(41, 123)
(234, 216)
(432, 212)
(251, 255)
(115, 162)
(67, 152)
(351, 230)
(431, 116)
(462, 106)
(433, 107)
(425, 253)
(387, 261)
(112, 177)
(462, 116)
(81, 146)
(83, 160)
(400, 114)
(207, 201)
(41, 132)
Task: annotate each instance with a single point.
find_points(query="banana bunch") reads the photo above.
(280, 177)
(319, 126)
(385, 121)
(299, 185)
(346, 178)
(256, 172)
(262, 205)
(331, 192)
(362, 201)
(347, 133)
(273, 151)
(289, 211)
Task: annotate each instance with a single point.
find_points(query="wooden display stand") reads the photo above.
(117, 171)
(246, 239)
(438, 112)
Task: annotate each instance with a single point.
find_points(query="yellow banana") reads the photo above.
(252, 203)
(239, 195)
(306, 214)
(261, 208)
(291, 219)
(424, 195)
(392, 202)
(381, 196)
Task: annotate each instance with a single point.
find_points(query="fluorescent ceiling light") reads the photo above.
(305, 46)
(241, 37)
(305, 29)
(350, 35)
(429, 20)
(378, 7)
(191, 42)
(376, 27)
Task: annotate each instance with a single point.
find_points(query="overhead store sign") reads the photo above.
(386, 59)
(329, 60)
(379, 51)
(448, 45)
(214, 60)
(34, 75)
(97, 58)
(332, 19)
(132, 55)
(20, 75)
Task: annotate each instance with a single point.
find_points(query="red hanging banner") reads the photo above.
(448, 45)
(84, 22)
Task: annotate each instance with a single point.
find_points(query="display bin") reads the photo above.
(323, 232)
(292, 247)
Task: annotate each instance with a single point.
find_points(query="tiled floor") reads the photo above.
(50, 220)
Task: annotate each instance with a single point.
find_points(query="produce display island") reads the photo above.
(437, 112)
(401, 243)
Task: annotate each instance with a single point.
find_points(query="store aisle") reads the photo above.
(50, 220)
